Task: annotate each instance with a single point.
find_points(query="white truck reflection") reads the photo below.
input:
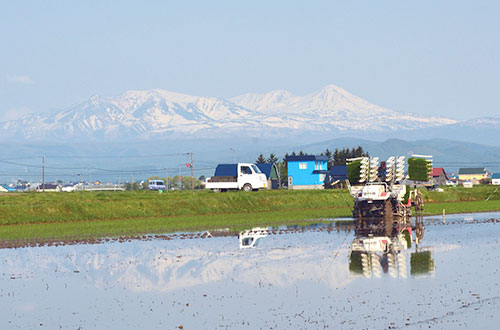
(250, 238)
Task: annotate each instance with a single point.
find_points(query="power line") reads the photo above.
(119, 157)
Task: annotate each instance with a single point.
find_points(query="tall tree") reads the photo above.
(260, 159)
(340, 156)
(329, 154)
(273, 159)
(282, 168)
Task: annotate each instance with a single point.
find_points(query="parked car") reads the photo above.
(467, 184)
(156, 185)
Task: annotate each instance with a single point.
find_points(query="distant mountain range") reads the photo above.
(159, 113)
(154, 130)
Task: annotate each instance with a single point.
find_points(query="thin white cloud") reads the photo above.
(21, 79)
(15, 113)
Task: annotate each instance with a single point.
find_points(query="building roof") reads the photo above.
(338, 170)
(48, 186)
(266, 168)
(306, 157)
(6, 187)
(495, 176)
(472, 170)
(437, 171)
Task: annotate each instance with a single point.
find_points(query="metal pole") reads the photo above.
(192, 175)
(166, 176)
(234, 156)
(180, 178)
(43, 173)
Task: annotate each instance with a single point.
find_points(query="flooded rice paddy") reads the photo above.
(293, 278)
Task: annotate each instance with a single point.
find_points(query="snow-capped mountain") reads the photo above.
(163, 113)
(332, 108)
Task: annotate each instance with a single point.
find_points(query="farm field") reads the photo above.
(38, 217)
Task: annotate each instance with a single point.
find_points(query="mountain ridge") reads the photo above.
(158, 112)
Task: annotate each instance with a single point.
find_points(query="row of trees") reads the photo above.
(337, 157)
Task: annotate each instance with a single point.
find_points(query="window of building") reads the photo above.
(303, 166)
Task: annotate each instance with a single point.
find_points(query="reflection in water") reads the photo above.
(421, 263)
(372, 255)
(290, 280)
(250, 238)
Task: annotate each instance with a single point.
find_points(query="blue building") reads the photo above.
(306, 172)
(495, 178)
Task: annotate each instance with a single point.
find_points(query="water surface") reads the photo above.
(295, 280)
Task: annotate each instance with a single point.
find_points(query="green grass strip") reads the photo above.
(38, 216)
(132, 227)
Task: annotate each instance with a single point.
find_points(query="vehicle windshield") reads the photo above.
(256, 169)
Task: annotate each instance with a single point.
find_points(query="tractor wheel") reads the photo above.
(357, 215)
(419, 202)
(419, 231)
(388, 218)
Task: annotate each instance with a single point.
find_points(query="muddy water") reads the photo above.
(293, 280)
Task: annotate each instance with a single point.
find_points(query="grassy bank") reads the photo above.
(110, 214)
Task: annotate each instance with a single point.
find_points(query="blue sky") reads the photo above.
(426, 57)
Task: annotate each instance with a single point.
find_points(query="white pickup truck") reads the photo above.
(244, 176)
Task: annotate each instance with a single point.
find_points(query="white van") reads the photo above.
(156, 185)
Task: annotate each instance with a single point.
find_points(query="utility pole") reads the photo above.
(192, 175)
(43, 173)
(234, 156)
(180, 178)
(166, 176)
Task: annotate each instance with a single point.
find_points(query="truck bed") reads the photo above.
(222, 179)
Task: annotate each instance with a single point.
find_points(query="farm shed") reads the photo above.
(272, 174)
